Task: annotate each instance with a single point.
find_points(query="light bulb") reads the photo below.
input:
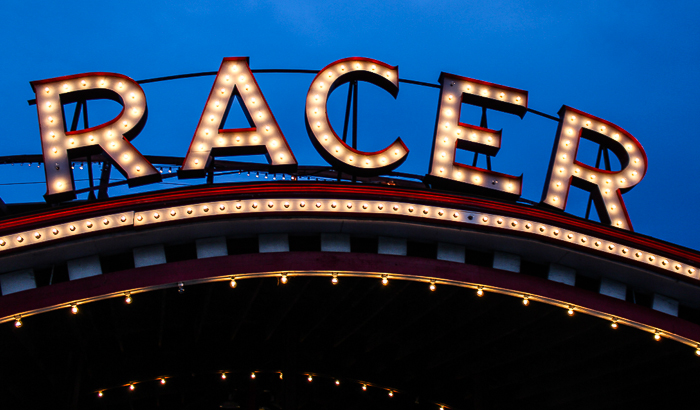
(432, 286)
(233, 283)
(127, 298)
(335, 279)
(480, 292)
(252, 375)
(526, 300)
(570, 311)
(337, 382)
(283, 279)
(223, 376)
(100, 394)
(310, 378)
(657, 336)
(385, 280)
(364, 386)
(18, 322)
(131, 387)
(614, 324)
(74, 309)
(391, 393)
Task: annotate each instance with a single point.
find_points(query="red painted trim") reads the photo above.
(323, 189)
(74, 76)
(477, 128)
(328, 121)
(611, 125)
(246, 60)
(227, 266)
(473, 80)
(362, 59)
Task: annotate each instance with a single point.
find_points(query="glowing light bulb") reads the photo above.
(364, 386)
(127, 298)
(526, 300)
(385, 280)
(233, 283)
(337, 382)
(223, 376)
(570, 312)
(334, 280)
(252, 375)
(283, 279)
(100, 394)
(310, 378)
(132, 387)
(432, 286)
(162, 381)
(74, 309)
(479, 291)
(18, 322)
(657, 336)
(614, 324)
(391, 393)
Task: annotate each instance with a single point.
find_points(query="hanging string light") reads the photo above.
(480, 291)
(432, 285)
(233, 283)
(334, 280)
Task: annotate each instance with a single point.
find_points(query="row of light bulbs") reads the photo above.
(284, 279)
(253, 375)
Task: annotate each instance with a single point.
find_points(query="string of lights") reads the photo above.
(481, 290)
(311, 377)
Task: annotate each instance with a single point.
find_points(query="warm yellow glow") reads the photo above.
(479, 291)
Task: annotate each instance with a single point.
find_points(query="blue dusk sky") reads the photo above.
(633, 63)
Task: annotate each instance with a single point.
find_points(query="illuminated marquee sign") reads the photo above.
(235, 79)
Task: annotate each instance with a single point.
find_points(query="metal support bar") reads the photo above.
(91, 194)
(347, 114)
(76, 116)
(104, 180)
(604, 153)
(354, 120)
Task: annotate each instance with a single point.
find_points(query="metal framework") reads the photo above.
(222, 167)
